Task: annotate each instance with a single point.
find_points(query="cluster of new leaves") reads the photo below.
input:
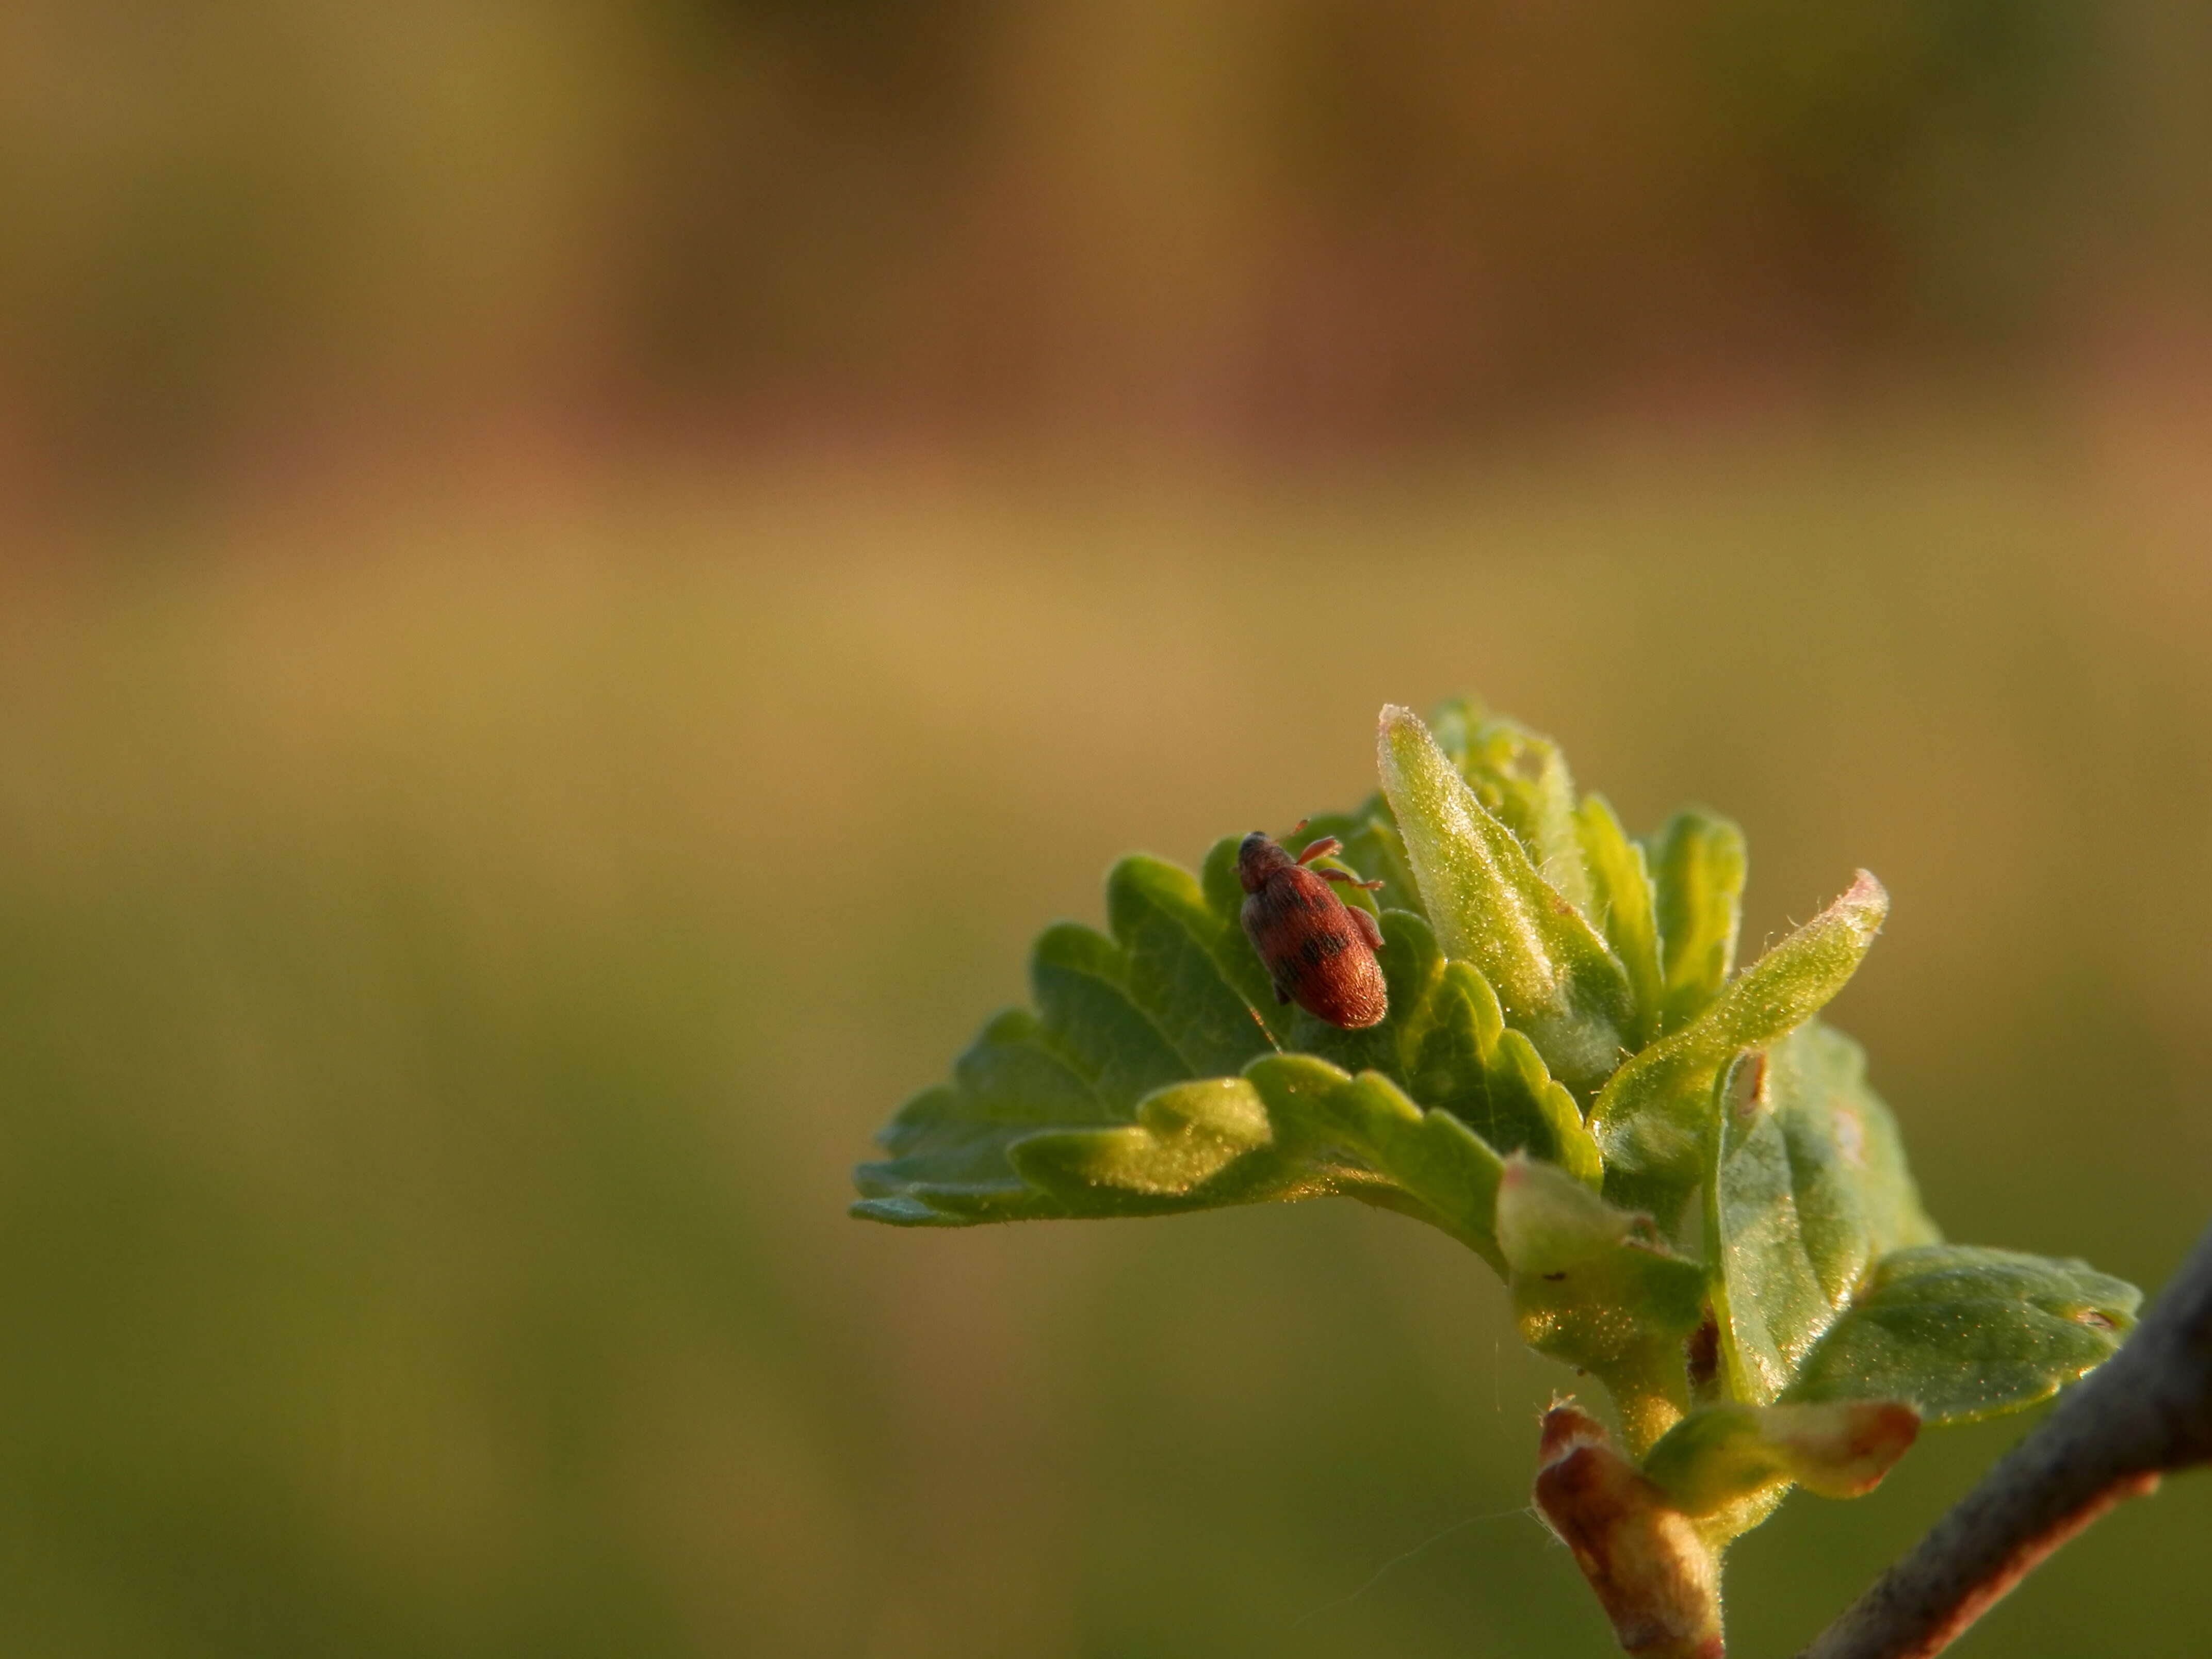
(1680, 1171)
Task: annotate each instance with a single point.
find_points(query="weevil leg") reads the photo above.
(1321, 848)
(1348, 879)
(1266, 1035)
(1281, 995)
(1369, 929)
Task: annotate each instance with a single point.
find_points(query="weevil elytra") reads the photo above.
(1319, 950)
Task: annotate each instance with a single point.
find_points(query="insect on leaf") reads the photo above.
(1447, 1044)
(1166, 1000)
(1372, 851)
(1728, 1239)
(1131, 1090)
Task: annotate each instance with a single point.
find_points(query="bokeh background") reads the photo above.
(580, 578)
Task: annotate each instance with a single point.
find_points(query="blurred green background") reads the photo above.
(579, 580)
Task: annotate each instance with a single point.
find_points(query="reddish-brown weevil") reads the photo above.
(1319, 952)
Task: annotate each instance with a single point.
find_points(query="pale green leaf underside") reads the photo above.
(1962, 1333)
(1810, 1187)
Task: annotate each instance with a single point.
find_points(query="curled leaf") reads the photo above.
(1548, 1223)
(1446, 1043)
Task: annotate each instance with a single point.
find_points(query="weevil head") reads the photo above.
(1258, 859)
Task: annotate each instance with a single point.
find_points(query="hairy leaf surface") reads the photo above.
(1656, 1119)
(1592, 1284)
(1522, 779)
(1962, 1333)
(1809, 1187)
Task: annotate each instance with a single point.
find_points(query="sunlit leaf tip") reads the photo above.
(1490, 906)
(1657, 1117)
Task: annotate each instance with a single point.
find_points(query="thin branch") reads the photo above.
(2146, 1411)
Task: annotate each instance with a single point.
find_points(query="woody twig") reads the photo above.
(2144, 1414)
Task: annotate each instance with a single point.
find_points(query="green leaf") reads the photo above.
(951, 1141)
(1193, 1145)
(1548, 1223)
(1963, 1332)
(1698, 872)
(1656, 1120)
(1444, 1041)
(1291, 1127)
(1169, 997)
(1723, 1455)
(1622, 907)
(1522, 779)
(1431, 1156)
(1185, 960)
(1810, 1186)
(1554, 977)
(1129, 1091)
